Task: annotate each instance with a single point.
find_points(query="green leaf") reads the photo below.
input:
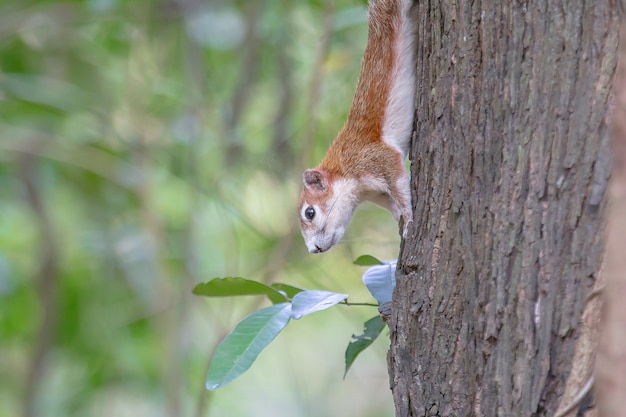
(372, 328)
(232, 286)
(367, 260)
(310, 301)
(236, 353)
(289, 290)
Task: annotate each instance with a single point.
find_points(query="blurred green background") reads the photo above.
(147, 146)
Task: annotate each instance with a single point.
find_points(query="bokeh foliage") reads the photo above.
(147, 146)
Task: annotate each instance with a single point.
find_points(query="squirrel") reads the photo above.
(366, 161)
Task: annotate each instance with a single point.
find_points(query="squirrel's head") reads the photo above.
(325, 209)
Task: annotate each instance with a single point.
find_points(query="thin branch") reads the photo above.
(249, 68)
(282, 144)
(47, 279)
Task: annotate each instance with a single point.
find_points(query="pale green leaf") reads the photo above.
(380, 280)
(236, 353)
(310, 301)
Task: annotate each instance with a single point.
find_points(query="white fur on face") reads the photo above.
(331, 216)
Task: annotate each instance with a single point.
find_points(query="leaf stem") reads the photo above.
(345, 302)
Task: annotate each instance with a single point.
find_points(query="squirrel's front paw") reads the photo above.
(404, 225)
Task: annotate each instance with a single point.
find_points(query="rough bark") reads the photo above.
(510, 163)
(611, 362)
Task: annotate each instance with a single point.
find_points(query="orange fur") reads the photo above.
(369, 168)
(361, 135)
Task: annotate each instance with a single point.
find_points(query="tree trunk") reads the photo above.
(510, 164)
(611, 361)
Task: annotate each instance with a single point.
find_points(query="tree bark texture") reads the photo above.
(611, 361)
(510, 163)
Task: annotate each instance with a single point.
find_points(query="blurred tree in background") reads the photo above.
(146, 146)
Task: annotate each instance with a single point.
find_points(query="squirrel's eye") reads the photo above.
(309, 213)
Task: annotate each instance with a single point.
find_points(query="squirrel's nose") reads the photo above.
(318, 249)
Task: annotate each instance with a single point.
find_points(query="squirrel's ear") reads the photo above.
(315, 180)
